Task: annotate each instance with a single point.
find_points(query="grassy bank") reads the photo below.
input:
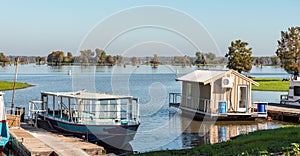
(9, 85)
(283, 140)
(271, 84)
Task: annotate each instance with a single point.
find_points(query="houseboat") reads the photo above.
(111, 120)
(4, 138)
(217, 95)
(293, 96)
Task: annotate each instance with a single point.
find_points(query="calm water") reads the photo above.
(161, 127)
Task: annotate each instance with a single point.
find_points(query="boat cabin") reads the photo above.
(293, 96)
(88, 108)
(217, 94)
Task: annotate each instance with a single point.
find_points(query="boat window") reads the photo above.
(296, 90)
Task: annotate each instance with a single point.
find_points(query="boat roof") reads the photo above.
(87, 95)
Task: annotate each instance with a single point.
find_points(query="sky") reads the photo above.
(143, 27)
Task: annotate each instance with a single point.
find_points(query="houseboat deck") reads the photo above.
(218, 116)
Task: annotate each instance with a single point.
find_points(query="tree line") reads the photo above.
(239, 56)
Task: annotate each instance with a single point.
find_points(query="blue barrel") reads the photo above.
(222, 107)
(261, 108)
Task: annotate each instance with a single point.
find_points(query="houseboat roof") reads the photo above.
(87, 95)
(208, 76)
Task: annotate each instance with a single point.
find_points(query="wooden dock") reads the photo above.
(283, 112)
(28, 140)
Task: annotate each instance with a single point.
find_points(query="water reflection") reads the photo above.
(199, 133)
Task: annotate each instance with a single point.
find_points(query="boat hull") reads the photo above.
(114, 135)
(4, 134)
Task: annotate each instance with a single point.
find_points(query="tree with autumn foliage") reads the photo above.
(288, 50)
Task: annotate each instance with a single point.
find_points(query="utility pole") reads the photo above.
(15, 83)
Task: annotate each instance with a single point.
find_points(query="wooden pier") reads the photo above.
(28, 140)
(283, 112)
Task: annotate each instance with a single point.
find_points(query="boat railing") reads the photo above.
(34, 108)
(199, 104)
(91, 111)
(115, 112)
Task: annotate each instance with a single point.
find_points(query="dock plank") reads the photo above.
(37, 141)
(31, 145)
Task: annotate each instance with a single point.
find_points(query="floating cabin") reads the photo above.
(217, 94)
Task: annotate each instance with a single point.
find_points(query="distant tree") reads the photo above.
(102, 57)
(69, 58)
(259, 61)
(154, 62)
(86, 56)
(210, 57)
(110, 60)
(134, 61)
(239, 56)
(3, 59)
(184, 60)
(38, 60)
(43, 59)
(200, 59)
(23, 60)
(56, 58)
(69, 54)
(288, 50)
(119, 59)
(275, 60)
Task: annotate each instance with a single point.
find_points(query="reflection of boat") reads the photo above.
(4, 138)
(293, 96)
(109, 119)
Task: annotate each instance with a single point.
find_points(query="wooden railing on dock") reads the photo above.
(14, 120)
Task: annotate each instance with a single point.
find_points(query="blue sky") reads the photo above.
(37, 27)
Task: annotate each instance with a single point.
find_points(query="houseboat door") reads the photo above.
(242, 98)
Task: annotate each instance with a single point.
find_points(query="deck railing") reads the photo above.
(195, 103)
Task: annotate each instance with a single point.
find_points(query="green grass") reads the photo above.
(270, 142)
(9, 85)
(271, 84)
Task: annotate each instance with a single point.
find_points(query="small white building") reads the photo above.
(217, 93)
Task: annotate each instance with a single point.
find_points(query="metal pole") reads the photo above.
(14, 89)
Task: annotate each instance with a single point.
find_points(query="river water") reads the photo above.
(161, 127)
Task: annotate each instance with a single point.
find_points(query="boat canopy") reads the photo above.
(87, 95)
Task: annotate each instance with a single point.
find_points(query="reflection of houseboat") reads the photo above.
(3, 124)
(109, 119)
(217, 94)
(293, 96)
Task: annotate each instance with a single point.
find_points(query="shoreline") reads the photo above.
(5, 85)
(281, 141)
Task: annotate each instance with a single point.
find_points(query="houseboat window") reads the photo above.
(189, 90)
(296, 90)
